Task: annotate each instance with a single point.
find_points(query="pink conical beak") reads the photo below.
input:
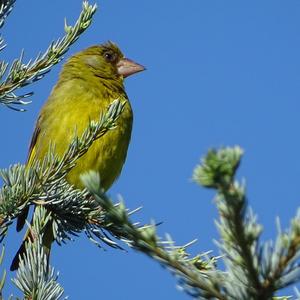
(127, 67)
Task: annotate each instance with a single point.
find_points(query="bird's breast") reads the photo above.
(107, 154)
(67, 113)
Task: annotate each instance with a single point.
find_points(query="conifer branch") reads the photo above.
(35, 278)
(255, 270)
(21, 74)
(285, 265)
(196, 274)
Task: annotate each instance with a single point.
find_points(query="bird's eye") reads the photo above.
(109, 56)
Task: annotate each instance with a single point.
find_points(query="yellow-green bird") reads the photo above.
(88, 83)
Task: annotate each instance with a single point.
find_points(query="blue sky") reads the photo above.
(218, 73)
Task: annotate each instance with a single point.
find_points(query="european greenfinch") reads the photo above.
(88, 83)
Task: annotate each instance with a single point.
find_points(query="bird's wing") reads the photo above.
(31, 154)
(31, 150)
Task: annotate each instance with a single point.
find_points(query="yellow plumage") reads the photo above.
(89, 82)
(76, 106)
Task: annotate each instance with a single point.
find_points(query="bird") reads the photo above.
(88, 83)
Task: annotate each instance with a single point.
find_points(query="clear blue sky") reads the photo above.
(218, 73)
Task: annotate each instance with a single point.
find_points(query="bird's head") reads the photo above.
(107, 61)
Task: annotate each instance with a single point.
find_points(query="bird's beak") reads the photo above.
(127, 67)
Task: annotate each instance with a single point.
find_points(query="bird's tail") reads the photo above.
(29, 237)
(22, 219)
(16, 260)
